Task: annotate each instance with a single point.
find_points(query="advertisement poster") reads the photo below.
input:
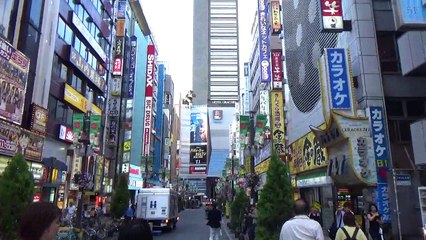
(259, 129)
(16, 140)
(14, 67)
(199, 128)
(198, 154)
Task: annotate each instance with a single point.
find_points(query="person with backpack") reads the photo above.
(350, 231)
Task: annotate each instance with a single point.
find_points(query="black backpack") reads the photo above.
(347, 234)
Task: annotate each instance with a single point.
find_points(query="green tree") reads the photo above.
(275, 201)
(237, 209)
(16, 192)
(120, 198)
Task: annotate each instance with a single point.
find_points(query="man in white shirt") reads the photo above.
(301, 227)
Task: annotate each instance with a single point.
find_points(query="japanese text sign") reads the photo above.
(381, 152)
(340, 84)
(264, 44)
(383, 202)
(276, 18)
(133, 44)
(277, 70)
(277, 121)
(264, 105)
(332, 17)
(149, 92)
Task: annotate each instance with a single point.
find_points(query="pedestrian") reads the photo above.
(314, 214)
(214, 218)
(40, 221)
(350, 230)
(301, 227)
(136, 229)
(375, 222)
(252, 227)
(129, 214)
(338, 220)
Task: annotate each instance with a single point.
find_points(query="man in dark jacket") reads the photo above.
(214, 218)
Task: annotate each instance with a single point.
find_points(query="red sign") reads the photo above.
(66, 134)
(118, 66)
(277, 70)
(149, 93)
(331, 13)
(37, 197)
(197, 170)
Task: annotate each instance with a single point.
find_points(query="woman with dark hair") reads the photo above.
(375, 221)
(136, 229)
(40, 221)
(350, 230)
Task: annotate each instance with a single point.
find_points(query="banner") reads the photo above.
(94, 132)
(132, 67)
(77, 124)
(264, 41)
(14, 67)
(244, 125)
(17, 140)
(260, 126)
(277, 122)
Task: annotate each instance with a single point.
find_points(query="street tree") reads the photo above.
(275, 201)
(120, 198)
(16, 193)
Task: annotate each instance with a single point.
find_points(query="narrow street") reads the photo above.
(192, 225)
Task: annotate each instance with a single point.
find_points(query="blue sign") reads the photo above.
(264, 42)
(132, 67)
(381, 153)
(338, 74)
(413, 11)
(383, 203)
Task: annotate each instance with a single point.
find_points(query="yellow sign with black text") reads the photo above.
(307, 154)
(75, 98)
(262, 167)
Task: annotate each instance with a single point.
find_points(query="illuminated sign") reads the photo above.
(277, 70)
(332, 17)
(117, 69)
(66, 134)
(38, 119)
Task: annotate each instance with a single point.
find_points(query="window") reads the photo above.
(76, 83)
(395, 108)
(415, 108)
(64, 31)
(59, 111)
(386, 43)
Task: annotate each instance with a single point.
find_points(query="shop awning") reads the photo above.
(52, 162)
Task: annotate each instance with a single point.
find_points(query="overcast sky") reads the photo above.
(171, 23)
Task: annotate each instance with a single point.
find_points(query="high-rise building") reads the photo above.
(215, 77)
(215, 68)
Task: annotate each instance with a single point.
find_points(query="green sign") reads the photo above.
(77, 125)
(260, 126)
(94, 131)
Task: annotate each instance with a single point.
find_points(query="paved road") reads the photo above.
(191, 226)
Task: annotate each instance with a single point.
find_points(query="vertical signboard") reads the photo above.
(381, 155)
(259, 129)
(77, 123)
(264, 43)
(198, 138)
(277, 70)
(277, 122)
(14, 67)
(244, 124)
(276, 17)
(339, 82)
(331, 14)
(94, 131)
(149, 93)
(132, 67)
(264, 105)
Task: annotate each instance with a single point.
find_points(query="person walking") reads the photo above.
(40, 221)
(375, 221)
(301, 227)
(214, 218)
(350, 229)
(129, 214)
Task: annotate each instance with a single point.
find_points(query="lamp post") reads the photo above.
(84, 141)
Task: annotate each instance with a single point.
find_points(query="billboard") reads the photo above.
(277, 70)
(264, 41)
(198, 154)
(338, 75)
(331, 15)
(14, 67)
(149, 93)
(198, 127)
(132, 67)
(39, 117)
(277, 122)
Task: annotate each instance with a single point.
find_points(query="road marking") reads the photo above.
(226, 231)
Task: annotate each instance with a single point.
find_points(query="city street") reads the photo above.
(192, 225)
